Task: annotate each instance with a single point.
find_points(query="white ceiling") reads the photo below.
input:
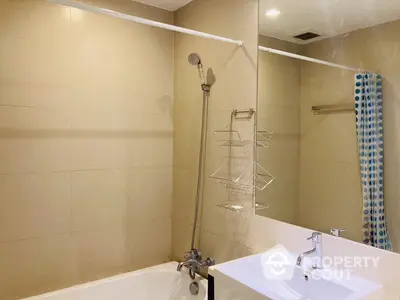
(171, 5)
(325, 17)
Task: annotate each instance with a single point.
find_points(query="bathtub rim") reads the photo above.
(166, 267)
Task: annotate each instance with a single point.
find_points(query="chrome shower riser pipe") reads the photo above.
(200, 172)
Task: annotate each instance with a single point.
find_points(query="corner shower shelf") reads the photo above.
(263, 137)
(230, 137)
(261, 206)
(241, 206)
(253, 177)
(235, 206)
(239, 174)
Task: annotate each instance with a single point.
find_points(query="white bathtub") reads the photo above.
(161, 282)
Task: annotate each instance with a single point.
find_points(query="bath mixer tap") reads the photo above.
(337, 231)
(193, 261)
(316, 238)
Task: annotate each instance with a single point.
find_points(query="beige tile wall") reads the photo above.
(226, 235)
(85, 144)
(62, 127)
(235, 70)
(279, 102)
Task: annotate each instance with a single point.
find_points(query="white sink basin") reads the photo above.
(300, 288)
(251, 272)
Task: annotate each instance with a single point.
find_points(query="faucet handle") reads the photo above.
(337, 231)
(207, 263)
(315, 237)
(193, 254)
(187, 255)
(210, 261)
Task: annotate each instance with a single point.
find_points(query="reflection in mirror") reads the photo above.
(329, 82)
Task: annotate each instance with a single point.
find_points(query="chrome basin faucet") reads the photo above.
(316, 239)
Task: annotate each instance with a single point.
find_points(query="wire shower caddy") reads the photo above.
(237, 174)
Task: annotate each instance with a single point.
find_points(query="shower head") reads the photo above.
(194, 59)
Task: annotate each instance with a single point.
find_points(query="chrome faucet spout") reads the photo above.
(317, 249)
(301, 256)
(180, 266)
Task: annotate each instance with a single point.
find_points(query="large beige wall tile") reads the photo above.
(30, 94)
(22, 152)
(27, 18)
(182, 230)
(229, 224)
(106, 40)
(213, 220)
(151, 151)
(185, 187)
(121, 118)
(187, 128)
(86, 150)
(149, 241)
(221, 248)
(31, 51)
(150, 211)
(150, 193)
(99, 199)
(32, 119)
(94, 153)
(35, 266)
(34, 205)
(99, 253)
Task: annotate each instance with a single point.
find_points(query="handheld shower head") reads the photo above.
(194, 60)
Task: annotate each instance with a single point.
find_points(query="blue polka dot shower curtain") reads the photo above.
(369, 119)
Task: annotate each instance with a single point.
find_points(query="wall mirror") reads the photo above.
(329, 90)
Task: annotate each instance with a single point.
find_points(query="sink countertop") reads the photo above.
(248, 272)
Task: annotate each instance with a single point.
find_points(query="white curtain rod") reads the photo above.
(115, 14)
(313, 60)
